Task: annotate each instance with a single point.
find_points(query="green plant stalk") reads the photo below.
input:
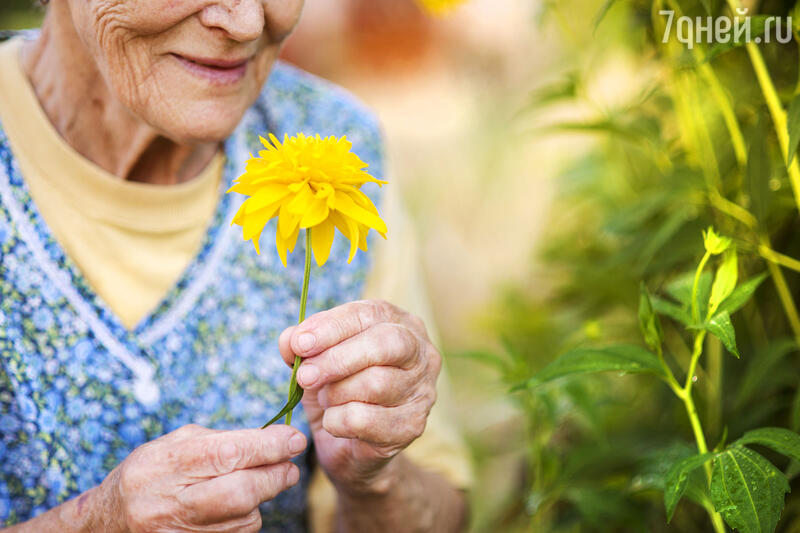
(303, 300)
(720, 97)
(713, 386)
(696, 284)
(785, 296)
(775, 109)
(685, 393)
(778, 258)
(725, 108)
(778, 115)
(774, 262)
(694, 419)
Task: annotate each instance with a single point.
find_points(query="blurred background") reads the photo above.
(553, 154)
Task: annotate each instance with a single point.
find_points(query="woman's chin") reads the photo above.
(199, 124)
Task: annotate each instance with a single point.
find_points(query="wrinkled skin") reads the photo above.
(148, 89)
(369, 372)
(134, 42)
(197, 479)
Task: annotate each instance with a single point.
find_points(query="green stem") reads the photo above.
(775, 109)
(694, 419)
(670, 377)
(695, 285)
(303, 300)
(685, 393)
(785, 296)
(776, 260)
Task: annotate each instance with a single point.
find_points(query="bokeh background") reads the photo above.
(553, 154)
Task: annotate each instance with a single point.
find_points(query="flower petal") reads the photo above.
(347, 206)
(349, 229)
(266, 196)
(284, 244)
(253, 223)
(287, 222)
(316, 213)
(302, 200)
(322, 240)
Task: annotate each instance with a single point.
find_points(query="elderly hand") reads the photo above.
(369, 374)
(197, 479)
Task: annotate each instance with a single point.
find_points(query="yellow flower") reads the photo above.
(307, 182)
(439, 7)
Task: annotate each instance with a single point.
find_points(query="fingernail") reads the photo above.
(307, 375)
(297, 444)
(306, 341)
(292, 476)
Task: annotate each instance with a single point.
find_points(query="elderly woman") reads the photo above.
(139, 337)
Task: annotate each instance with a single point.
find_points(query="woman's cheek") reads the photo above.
(144, 17)
(282, 17)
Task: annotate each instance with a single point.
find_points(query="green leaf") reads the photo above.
(648, 320)
(603, 12)
(681, 289)
(625, 358)
(781, 440)
(793, 125)
(759, 169)
(725, 280)
(672, 310)
(677, 479)
(294, 399)
(484, 357)
(741, 294)
(721, 327)
(666, 231)
(747, 490)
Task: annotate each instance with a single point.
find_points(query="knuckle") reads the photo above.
(337, 362)
(355, 420)
(190, 428)
(377, 383)
(368, 312)
(131, 476)
(434, 361)
(402, 340)
(253, 521)
(417, 323)
(223, 456)
(416, 426)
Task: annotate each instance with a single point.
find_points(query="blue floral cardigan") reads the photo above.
(78, 392)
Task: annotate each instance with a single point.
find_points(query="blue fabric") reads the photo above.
(78, 392)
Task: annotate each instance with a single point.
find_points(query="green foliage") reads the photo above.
(722, 328)
(748, 490)
(779, 439)
(677, 480)
(649, 323)
(624, 358)
(695, 147)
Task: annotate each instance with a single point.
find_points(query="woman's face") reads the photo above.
(189, 68)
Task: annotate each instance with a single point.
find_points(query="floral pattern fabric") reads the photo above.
(78, 391)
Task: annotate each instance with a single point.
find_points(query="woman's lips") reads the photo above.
(217, 71)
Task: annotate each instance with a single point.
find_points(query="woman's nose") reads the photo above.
(242, 20)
